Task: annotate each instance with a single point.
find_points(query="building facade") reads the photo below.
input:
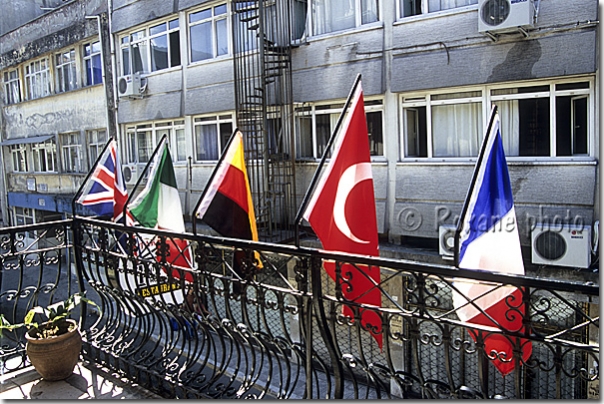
(431, 72)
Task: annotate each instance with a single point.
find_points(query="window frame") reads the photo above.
(418, 99)
(372, 104)
(96, 139)
(427, 13)
(12, 86)
(213, 20)
(152, 131)
(358, 17)
(207, 120)
(44, 156)
(19, 158)
(89, 56)
(38, 83)
(71, 143)
(142, 35)
(65, 71)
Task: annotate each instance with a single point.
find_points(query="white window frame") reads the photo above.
(141, 36)
(65, 71)
(19, 158)
(462, 5)
(151, 133)
(12, 87)
(213, 19)
(313, 10)
(334, 109)
(71, 147)
(91, 53)
(96, 140)
(45, 156)
(211, 120)
(37, 79)
(423, 99)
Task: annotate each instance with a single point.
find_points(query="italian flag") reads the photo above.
(158, 207)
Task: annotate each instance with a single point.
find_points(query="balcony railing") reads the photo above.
(260, 320)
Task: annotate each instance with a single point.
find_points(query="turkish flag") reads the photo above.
(342, 214)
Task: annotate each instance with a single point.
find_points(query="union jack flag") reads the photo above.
(105, 192)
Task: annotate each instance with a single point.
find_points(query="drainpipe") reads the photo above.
(98, 24)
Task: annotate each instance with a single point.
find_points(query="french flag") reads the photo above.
(488, 240)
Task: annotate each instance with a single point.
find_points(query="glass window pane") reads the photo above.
(206, 139)
(456, 130)
(222, 37)
(174, 49)
(534, 124)
(159, 53)
(201, 42)
(157, 29)
(200, 15)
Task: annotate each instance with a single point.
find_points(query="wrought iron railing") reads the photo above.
(274, 325)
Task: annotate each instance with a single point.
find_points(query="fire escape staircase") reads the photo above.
(264, 108)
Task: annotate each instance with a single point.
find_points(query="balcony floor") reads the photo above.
(87, 382)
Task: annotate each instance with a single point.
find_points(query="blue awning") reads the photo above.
(26, 140)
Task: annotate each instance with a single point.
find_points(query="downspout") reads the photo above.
(98, 24)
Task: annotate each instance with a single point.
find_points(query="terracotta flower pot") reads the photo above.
(55, 357)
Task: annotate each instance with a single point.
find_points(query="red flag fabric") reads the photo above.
(342, 213)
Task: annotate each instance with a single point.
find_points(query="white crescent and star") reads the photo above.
(349, 179)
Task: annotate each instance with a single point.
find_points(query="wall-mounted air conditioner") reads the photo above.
(130, 174)
(446, 241)
(561, 245)
(130, 85)
(505, 15)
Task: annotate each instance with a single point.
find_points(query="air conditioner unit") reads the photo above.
(505, 15)
(446, 241)
(561, 245)
(129, 86)
(130, 174)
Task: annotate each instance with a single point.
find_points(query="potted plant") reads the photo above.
(53, 346)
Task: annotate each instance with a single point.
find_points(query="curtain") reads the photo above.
(207, 142)
(333, 15)
(510, 126)
(456, 130)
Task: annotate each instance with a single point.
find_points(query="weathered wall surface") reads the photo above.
(65, 26)
(74, 111)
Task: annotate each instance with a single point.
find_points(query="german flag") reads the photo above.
(227, 205)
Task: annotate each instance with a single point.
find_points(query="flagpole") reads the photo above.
(315, 178)
(141, 176)
(214, 172)
(464, 209)
(96, 163)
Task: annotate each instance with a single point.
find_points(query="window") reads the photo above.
(37, 79)
(72, 152)
(211, 136)
(208, 33)
(175, 131)
(45, 156)
(97, 139)
(151, 49)
(143, 139)
(24, 217)
(65, 71)
(19, 157)
(409, 8)
(544, 120)
(337, 15)
(92, 64)
(12, 89)
(316, 123)
(140, 143)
